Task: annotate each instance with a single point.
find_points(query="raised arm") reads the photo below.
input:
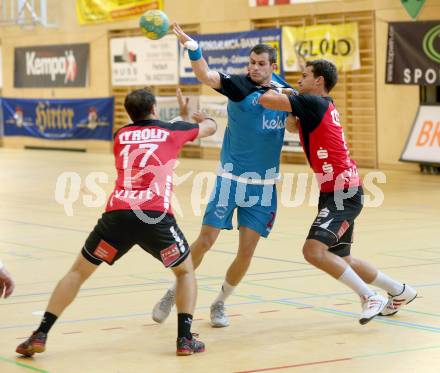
(199, 65)
(275, 101)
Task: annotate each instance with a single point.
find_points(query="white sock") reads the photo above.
(173, 288)
(353, 281)
(386, 283)
(225, 292)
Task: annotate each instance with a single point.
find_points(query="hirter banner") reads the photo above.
(59, 119)
(413, 55)
(51, 66)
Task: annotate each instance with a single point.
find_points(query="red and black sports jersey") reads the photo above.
(322, 139)
(145, 154)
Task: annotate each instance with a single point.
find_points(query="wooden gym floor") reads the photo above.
(285, 316)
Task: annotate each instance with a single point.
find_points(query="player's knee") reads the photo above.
(245, 254)
(185, 268)
(312, 254)
(205, 242)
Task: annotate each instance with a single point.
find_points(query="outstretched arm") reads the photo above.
(207, 125)
(275, 101)
(199, 65)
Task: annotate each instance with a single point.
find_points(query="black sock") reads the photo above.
(184, 321)
(47, 322)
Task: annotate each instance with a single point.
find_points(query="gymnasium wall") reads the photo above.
(396, 105)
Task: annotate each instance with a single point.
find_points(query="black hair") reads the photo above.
(327, 70)
(139, 104)
(265, 48)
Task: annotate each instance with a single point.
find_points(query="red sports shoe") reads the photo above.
(35, 343)
(187, 346)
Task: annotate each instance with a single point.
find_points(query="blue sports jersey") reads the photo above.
(254, 135)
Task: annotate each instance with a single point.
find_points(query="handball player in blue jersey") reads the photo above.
(250, 158)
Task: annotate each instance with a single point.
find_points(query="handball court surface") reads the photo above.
(286, 316)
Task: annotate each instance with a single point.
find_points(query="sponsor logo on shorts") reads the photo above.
(105, 252)
(170, 255)
(344, 226)
(324, 213)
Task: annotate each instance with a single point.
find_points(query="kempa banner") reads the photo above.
(51, 66)
(413, 55)
(423, 144)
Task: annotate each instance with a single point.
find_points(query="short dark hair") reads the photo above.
(265, 48)
(327, 70)
(139, 103)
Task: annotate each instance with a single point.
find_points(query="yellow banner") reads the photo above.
(98, 11)
(337, 43)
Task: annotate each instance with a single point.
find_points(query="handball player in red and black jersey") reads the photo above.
(328, 243)
(138, 212)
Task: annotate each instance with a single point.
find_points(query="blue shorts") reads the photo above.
(256, 206)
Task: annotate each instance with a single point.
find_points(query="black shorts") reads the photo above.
(334, 224)
(118, 231)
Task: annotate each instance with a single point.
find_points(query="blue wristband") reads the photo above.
(195, 55)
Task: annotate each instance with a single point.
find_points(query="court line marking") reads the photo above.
(342, 359)
(258, 300)
(295, 365)
(23, 365)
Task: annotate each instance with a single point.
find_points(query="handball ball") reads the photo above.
(154, 24)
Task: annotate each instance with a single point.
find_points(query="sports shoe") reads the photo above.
(35, 343)
(218, 317)
(407, 295)
(187, 346)
(162, 309)
(371, 307)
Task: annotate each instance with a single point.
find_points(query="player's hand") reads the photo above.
(183, 104)
(181, 36)
(6, 284)
(289, 91)
(199, 116)
(292, 124)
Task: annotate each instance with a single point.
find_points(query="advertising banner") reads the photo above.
(216, 108)
(413, 54)
(229, 53)
(140, 61)
(51, 66)
(59, 119)
(98, 11)
(281, 2)
(423, 143)
(337, 43)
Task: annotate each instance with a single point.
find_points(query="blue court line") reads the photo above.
(291, 302)
(95, 288)
(45, 226)
(38, 248)
(252, 300)
(411, 257)
(260, 257)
